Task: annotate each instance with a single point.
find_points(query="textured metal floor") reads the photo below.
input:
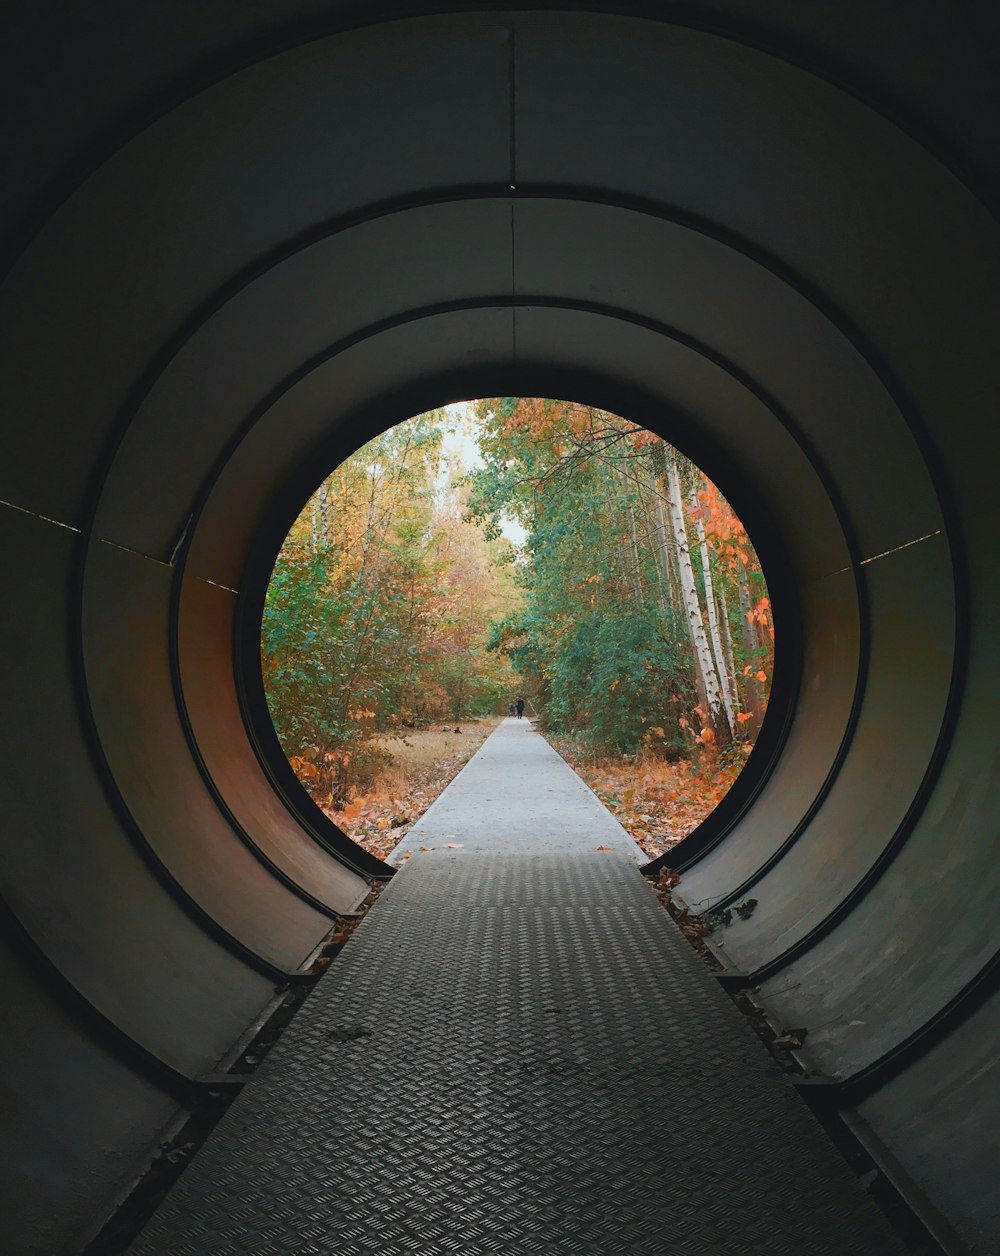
(517, 1052)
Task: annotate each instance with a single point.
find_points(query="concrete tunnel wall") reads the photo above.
(240, 240)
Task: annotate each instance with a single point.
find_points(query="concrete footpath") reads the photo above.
(517, 1052)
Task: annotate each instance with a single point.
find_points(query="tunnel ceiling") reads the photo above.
(240, 239)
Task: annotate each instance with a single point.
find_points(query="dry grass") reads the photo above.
(423, 764)
(423, 750)
(656, 802)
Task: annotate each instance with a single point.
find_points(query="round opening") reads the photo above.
(517, 557)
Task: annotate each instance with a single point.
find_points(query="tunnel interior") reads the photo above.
(238, 243)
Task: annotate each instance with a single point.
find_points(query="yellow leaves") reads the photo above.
(706, 736)
(303, 768)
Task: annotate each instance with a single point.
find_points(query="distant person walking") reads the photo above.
(519, 707)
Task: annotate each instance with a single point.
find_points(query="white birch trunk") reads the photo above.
(713, 619)
(692, 605)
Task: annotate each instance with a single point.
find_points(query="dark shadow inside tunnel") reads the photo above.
(238, 243)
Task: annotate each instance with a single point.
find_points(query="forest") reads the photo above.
(516, 546)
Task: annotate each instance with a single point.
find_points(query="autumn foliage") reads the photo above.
(634, 615)
(377, 613)
(646, 621)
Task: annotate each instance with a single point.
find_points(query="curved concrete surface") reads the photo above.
(238, 240)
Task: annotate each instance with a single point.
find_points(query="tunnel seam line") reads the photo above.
(34, 514)
(111, 139)
(215, 584)
(127, 549)
(896, 549)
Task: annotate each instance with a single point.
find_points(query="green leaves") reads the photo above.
(377, 609)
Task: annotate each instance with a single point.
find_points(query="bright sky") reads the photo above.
(461, 439)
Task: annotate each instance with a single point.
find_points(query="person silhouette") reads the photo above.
(519, 707)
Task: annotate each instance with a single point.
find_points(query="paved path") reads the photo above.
(517, 1053)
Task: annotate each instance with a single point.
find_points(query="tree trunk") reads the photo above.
(324, 514)
(636, 568)
(727, 637)
(713, 619)
(705, 669)
(660, 533)
(753, 686)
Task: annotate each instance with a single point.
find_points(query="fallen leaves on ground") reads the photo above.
(657, 803)
(425, 763)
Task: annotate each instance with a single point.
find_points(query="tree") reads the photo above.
(610, 567)
(377, 612)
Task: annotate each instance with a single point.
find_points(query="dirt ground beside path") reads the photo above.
(424, 763)
(657, 803)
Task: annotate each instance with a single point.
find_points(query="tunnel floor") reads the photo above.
(517, 1052)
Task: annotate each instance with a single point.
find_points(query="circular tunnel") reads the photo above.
(237, 246)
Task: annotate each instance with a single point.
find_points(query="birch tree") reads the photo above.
(692, 605)
(713, 619)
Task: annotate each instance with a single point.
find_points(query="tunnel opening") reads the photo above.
(513, 554)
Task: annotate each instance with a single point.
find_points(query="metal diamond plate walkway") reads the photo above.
(517, 1053)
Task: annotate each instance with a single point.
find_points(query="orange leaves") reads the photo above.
(724, 532)
(706, 736)
(760, 613)
(656, 802)
(743, 716)
(641, 438)
(762, 677)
